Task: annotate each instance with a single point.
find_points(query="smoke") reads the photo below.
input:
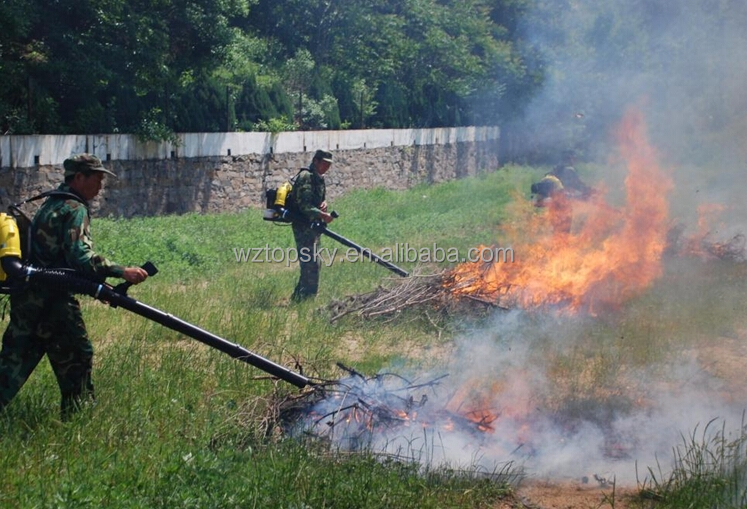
(600, 397)
(575, 406)
(563, 404)
(565, 396)
(608, 397)
(684, 64)
(685, 61)
(567, 405)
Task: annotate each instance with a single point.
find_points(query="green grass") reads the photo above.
(710, 468)
(178, 424)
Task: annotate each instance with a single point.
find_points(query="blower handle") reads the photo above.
(149, 267)
(319, 225)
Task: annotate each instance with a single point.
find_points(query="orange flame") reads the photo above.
(700, 244)
(472, 400)
(610, 254)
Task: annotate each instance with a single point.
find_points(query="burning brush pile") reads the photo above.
(357, 408)
(390, 414)
(487, 423)
(611, 255)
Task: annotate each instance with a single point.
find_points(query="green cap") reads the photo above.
(84, 163)
(323, 155)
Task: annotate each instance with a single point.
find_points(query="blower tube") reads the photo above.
(70, 280)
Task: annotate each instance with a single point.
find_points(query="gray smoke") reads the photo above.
(538, 375)
(572, 428)
(607, 397)
(570, 397)
(684, 64)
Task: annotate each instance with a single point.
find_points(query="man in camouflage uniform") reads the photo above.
(47, 320)
(309, 195)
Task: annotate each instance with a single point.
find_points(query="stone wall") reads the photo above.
(176, 185)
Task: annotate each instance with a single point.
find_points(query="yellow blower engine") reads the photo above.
(10, 241)
(279, 203)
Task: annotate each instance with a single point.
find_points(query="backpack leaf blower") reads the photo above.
(15, 274)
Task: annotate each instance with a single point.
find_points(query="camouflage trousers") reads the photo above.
(307, 243)
(48, 323)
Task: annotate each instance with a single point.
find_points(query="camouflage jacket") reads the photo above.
(61, 238)
(309, 190)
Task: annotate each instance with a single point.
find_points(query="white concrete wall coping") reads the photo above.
(26, 151)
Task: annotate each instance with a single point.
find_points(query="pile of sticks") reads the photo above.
(429, 292)
(356, 408)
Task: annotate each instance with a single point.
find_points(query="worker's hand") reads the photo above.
(134, 275)
(327, 218)
(323, 206)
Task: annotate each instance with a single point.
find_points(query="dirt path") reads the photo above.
(570, 495)
(554, 495)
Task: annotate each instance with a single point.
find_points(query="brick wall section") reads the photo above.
(234, 183)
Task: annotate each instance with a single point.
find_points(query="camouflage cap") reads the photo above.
(323, 155)
(84, 163)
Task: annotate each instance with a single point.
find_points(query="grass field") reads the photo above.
(177, 424)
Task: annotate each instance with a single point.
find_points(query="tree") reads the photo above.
(90, 56)
(107, 65)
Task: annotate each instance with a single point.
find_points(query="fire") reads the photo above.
(609, 255)
(702, 245)
(359, 411)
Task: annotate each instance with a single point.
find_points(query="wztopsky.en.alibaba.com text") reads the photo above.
(400, 253)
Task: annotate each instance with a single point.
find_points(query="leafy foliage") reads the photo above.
(152, 129)
(109, 65)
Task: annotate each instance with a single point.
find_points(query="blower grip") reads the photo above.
(319, 225)
(151, 269)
